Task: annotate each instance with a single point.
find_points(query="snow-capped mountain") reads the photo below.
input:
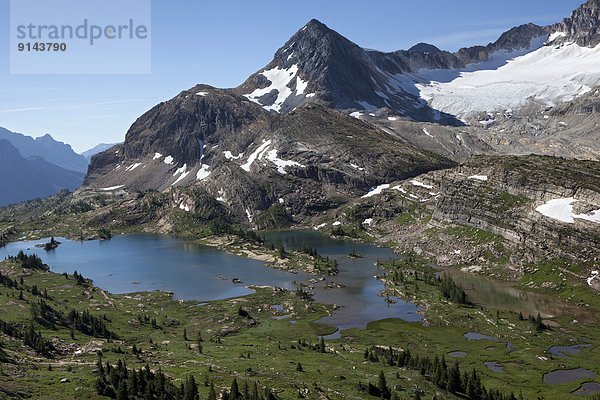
(327, 119)
(250, 160)
(582, 27)
(319, 65)
(527, 66)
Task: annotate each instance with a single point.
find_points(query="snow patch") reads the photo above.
(300, 86)
(183, 175)
(392, 118)
(368, 221)
(555, 36)
(415, 182)
(180, 170)
(425, 131)
(479, 177)
(356, 114)
(316, 228)
(311, 95)
(184, 207)
(108, 189)
(168, 160)
(336, 223)
(595, 274)
(280, 79)
(377, 190)
(133, 166)
(221, 197)
(230, 156)
(203, 172)
(203, 94)
(249, 215)
(258, 152)
(157, 156)
(357, 167)
(281, 164)
(562, 210)
(509, 80)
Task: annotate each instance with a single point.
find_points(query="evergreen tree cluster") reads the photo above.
(340, 231)
(450, 290)
(320, 346)
(437, 371)
(51, 245)
(444, 283)
(321, 263)
(538, 322)
(120, 383)
(83, 322)
(380, 390)
(30, 337)
(246, 392)
(145, 319)
(8, 282)
(29, 261)
(79, 279)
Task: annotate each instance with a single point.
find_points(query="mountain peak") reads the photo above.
(45, 138)
(315, 33)
(583, 27)
(315, 24)
(425, 48)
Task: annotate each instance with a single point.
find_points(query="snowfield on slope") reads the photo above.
(548, 75)
(280, 80)
(562, 210)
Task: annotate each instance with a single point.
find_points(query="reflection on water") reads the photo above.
(134, 263)
(562, 351)
(588, 389)
(563, 376)
(359, 298)
(495, 294)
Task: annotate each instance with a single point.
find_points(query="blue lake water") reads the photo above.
(134, 263)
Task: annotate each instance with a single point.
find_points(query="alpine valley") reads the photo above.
(480, 169)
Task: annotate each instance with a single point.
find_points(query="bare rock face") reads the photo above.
(339, 74)
(582, 27)
(327, 120)
(255, 162)
(199, 117)
(506, 203)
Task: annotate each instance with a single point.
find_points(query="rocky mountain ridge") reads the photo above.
(53, 151)
(24, 179)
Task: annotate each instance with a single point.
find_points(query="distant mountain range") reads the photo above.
(28, 178)
(51, 150)
(39, 167)
(88, 154)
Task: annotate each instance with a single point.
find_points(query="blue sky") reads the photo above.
(222, 43)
